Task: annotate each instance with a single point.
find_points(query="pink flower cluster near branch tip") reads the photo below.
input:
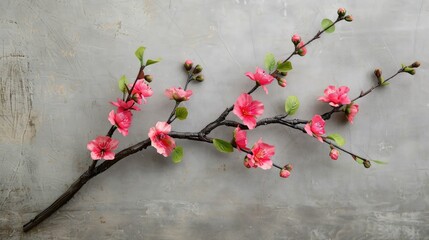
(160, 140)
(335, 96)
(102, 148)
(261, 77)
(261, 156)
(316, 127)
(248, 110)
(178, 94)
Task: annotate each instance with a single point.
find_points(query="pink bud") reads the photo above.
(247, 163)
(296, 39)
(282, 82)
(188, 65)
(334, 154)
(284, 173)
(341, 12)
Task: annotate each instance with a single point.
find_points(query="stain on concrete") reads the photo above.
(17, 122)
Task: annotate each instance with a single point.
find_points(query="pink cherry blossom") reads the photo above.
(261, 77)
(240, 138)
(125, 106)
(351, 111)
(188, 62)
(122, 120)
(261, 155)
(178, 94)
(141, 91)
(296, 39)
(284, 173)
(248, 110)
(334, 153)
(160, 139)
(302, 50)
(102, 148)
(335, 96)
(316, 127)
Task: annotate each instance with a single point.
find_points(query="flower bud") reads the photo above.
(200, 78)
(283, 73)
(188, 65)
(348, 18)
(296, 39)
(198, 69)
(366, 164)
(341, 12)
(410, 70)
(148, 78)
(282, 82)
(288, 167)
(377, 73)
(334, 154)
(302, 51)
(246, 163)
(415, 64)
(284, 173)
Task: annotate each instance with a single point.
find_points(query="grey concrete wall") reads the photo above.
(60, 61)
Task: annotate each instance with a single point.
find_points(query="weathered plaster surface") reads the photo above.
(59, 62)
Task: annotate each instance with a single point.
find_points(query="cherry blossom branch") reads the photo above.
(327, 115)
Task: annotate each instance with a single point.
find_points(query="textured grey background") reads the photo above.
(60, 61)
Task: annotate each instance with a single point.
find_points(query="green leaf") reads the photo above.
(270, 62)
(152, 61)
(379, 162)
(122, 84)
(385, 83)
(181, 113)
(326, 23)
(140, 53)
(284, 67)
(177, 154)
(291, 105)
(358, 160)
(337, 138)
(223, 146)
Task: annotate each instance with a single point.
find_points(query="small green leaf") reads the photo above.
(337, 138)
(284, 67)
(291, 105)
(270, 62)
(177, 154)
(181, 113)
(326, 23)
(358, 160)
(385, 83)
(379, 162)
(223, 146)
(122, 84)
(140, 53)
(152, 61)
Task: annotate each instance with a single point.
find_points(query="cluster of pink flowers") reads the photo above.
(102, 147)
